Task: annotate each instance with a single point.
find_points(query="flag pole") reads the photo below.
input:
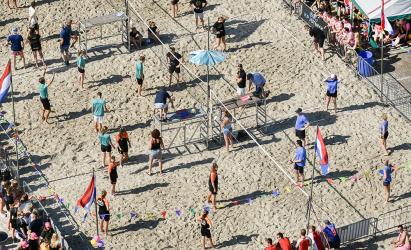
(95, 201)
(310, 199)
(14, 121)
(382, 51)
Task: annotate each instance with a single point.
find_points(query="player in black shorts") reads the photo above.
(174, 8)
(318, 39)
(219, 30)
(205, 229)
(174, 60)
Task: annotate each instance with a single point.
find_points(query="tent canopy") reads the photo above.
(393, 9)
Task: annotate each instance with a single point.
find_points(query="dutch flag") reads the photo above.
(88, 197)
(321, 151)
(5, 82)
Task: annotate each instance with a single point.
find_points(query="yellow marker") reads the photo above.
(287, 189)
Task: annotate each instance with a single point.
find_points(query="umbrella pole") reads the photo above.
(209, 110)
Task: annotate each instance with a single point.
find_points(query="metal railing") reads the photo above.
(360, 229)
(392, 219)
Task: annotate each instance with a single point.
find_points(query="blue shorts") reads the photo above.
(64, 48)
(386, 183)
(227, 131)
(300, 169)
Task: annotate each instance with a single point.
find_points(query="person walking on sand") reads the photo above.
(140, 74)
(205, 223)
(303, 242)
(241, 79)
(44, 95)
(387, 179)
(174, 8)
(332, 85)
(105, 145)
(318, 39)
(283, 242)
(331, 234)
(15, 40)
(227, 130)
(155, 145)
(103, 211)
(174, 59)
(81, 66)
(384, 133)
(299, 163)
(123, 143)
(33, 21)
(213, 185)
(315, 237)
(219, 30)
(301, 124)
(98, 107)
(112, 173)
(198, 8)
(35, 44)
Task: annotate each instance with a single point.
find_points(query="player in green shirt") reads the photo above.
(98, 108)
(44, 95)
(140, 74)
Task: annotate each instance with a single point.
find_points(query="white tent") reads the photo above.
(393, 9)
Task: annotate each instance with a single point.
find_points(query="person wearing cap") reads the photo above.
(47, 232)
(160, 102)
(44, 95)
(241, 79)
(332, 85)
(140, 74)
(15, 40)
(301, 124)
(205, 223)
(66, 36)
(213, 185)
(299, 162)
(384, 133)
(174, 61)
(258, 80)
(123, 143)
(332, 236)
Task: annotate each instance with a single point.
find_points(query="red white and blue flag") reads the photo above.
(88, 197)
(321, 151)
(5, 82)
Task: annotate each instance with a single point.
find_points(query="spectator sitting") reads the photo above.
(401, 33)
(136, 38)
(47, 232)
(153, 33)
(402, 241)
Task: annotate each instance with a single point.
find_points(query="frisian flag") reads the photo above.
(5, 82)
(321, 151)
(88, 197)
(385, 24)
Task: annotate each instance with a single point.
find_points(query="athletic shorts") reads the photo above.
(300, 134)
(299, 168)
(221, 34)
(160, 105)
(241, 91)
(386, 183)
(46, 103)
(386, 135)
(17, 53)
(172, 69)
(80, 70)
(105, 149)
(64, 48)
(155, 153)
(98, 119)
(139, 81)
(199, 15)
(105, 217)
(331, 95)
(321, 42)
(206, 233)
(174, 2)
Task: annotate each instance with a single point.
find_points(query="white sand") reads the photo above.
(68, 148)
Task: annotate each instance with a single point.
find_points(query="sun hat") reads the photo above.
(332, 77)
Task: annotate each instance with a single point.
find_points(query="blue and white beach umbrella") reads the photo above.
(207, 57)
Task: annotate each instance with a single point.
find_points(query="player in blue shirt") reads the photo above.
(66, 35)
(387, 179)
(384, 133)
(299, 162)
(258, 81)
(332, 85)
(15, 40)
(300, 125)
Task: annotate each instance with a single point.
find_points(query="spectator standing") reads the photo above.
(315, 237)
(160, 102)
(35, 44)
(15, 40)
(174, 61)
(283, 242)
(36, 224)
(33, 21)
(258, 80)
(205, 223)
(155, 145)
(227, 128)
(299, 162)
(66, 35)
(219, 31)
(213, 185)
(301, 124)
(44, 95)
(318, 39)
(303, 242)
(98, 108)
(140, 74)
(332, 86)
(332, 236)
(241, 79)
(270, 245)
(198, 8)
(387, 179)
(174, 8)
(384, 133)
(55, 242)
